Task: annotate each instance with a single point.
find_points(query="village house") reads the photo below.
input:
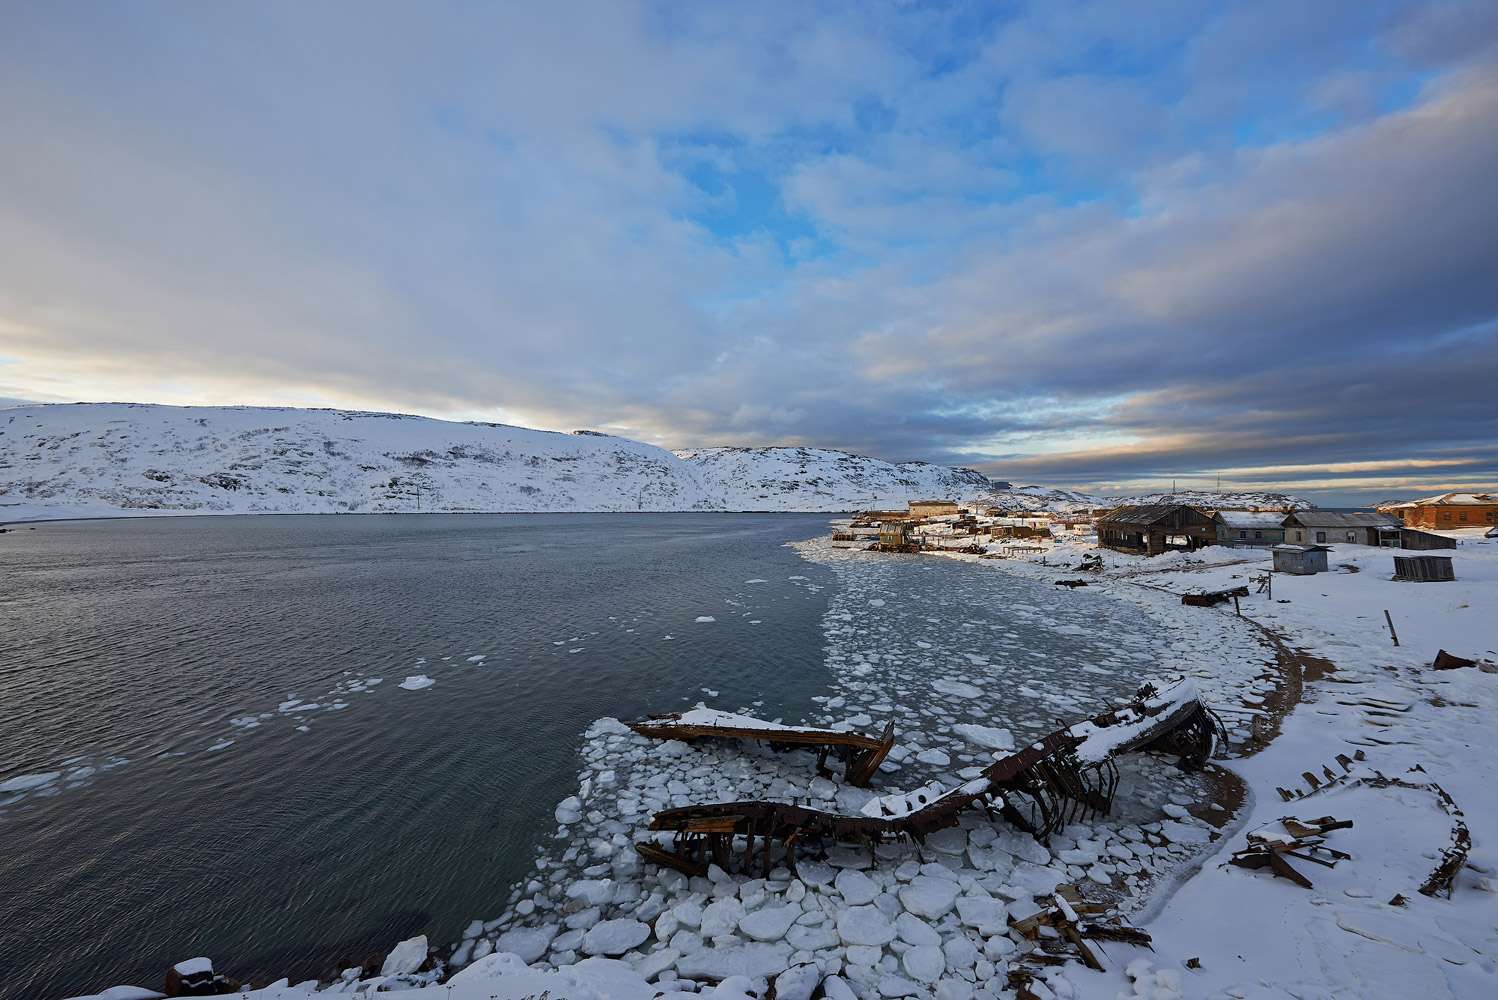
(1322, 527)
(1246, 527)
(934, 508)
(1156, 528)
(1449, 510)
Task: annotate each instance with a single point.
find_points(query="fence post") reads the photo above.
(1391, 627)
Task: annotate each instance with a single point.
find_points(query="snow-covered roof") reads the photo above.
(1329, 519)
(1249, 518)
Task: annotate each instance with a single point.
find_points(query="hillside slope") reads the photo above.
(103, 459)
(815, 479)
(113, 457)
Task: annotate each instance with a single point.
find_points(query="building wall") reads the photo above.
(1445, 517)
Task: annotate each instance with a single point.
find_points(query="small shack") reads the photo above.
(1423, 569)
(1155, 528)
(1300, 560)
(898, 536)
(1410, 538)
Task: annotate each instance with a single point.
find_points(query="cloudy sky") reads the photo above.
(1100, 245)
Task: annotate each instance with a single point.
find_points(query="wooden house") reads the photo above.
(1449, 510)
(1300, 560)
(1246, 527)
(1320, 527)
(1152, 529)
(934, 508)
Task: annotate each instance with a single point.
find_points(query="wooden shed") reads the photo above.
(1423, 569)
(1300, 560)
(1156, 528)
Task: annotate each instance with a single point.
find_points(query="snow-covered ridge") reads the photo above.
(816, 479)
(104, 459)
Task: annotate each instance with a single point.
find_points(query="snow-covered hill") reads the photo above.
(101, 459)
(1044, 498)
(1220, 500)
(815, 479)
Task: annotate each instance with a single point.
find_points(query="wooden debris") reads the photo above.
(861, 755)
(1303, 839)
(1064, 918)
(1211, 597)
(1040, 788)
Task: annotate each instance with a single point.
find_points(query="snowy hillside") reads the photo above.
(99, 459)
(103, 458)
(1224, 500)
(1044, 498)
(815, 479)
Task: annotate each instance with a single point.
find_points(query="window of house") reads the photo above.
(1297, 536)
(1320, 536)
(1446, 515)
(1351, 537)
(1258, 534)
(1242, 534)
(1462, 516)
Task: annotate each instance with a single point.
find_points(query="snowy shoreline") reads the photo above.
(604, 899)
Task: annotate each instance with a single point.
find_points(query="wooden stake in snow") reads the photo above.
(1391, 627)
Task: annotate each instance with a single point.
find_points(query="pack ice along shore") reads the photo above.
(128, 459)
(1339, 842)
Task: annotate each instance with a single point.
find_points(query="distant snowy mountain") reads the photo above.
(100, 459)
(1220, 500)
(1042, 498)
(814, 479)
(104, 458)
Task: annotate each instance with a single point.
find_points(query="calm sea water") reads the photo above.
(231, 783)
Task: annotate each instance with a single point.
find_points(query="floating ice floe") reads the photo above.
(416, 682)
(705, 618)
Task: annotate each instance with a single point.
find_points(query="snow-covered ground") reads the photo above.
(932, 921)
(113, 459)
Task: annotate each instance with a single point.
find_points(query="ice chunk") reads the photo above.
(924, 963)
(615, 937)
(957, 689)
(528, 943)
(928, 896)
(856, 887)
(992, 737)
(864, 925)
(415, 682)
(406, 957)
(751, 960)
(705, 618)
(770, 923)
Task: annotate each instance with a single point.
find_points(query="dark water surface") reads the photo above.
(349, 815)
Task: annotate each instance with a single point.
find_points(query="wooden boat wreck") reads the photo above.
(1065, 777)
(861, 755)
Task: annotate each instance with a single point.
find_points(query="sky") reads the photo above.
(1103, 246)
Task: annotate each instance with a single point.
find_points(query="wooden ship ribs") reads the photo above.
(1065, 777)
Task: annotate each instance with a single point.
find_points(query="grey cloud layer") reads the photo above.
(475, 213)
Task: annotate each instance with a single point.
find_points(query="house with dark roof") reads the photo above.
(1155, 528)
(1249, 527)
(1320, 527)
